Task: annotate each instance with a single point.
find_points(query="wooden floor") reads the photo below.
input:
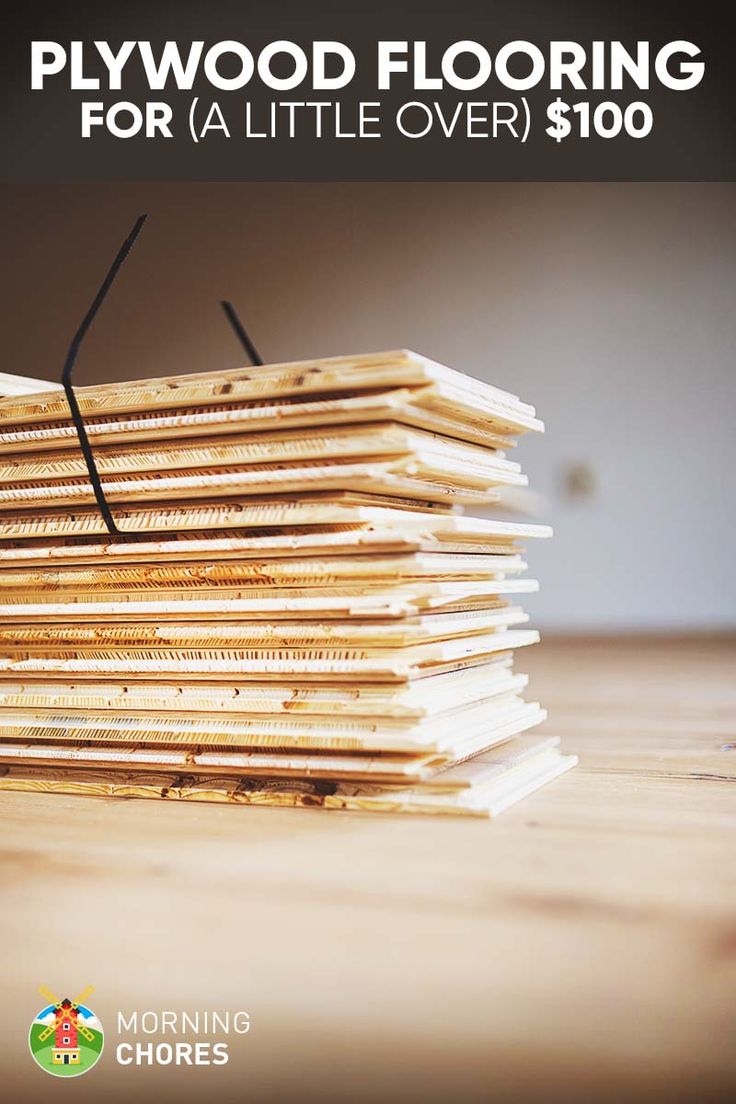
(581, 947)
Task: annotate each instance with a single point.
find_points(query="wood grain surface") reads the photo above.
(581, 947)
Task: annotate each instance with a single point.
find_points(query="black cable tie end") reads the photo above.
(66, 376)
(240, 332)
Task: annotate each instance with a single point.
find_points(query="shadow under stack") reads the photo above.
(298, 613)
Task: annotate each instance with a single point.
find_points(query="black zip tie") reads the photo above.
(66, 377)
(240, 332)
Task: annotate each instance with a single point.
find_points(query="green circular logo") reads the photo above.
(66, 1038)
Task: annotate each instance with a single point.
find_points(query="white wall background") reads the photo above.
(612, 308)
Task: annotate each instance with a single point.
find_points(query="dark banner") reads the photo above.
(525, 90)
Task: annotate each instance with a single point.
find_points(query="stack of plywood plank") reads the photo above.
(298, 611)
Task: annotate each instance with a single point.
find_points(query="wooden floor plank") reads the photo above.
(581, 947)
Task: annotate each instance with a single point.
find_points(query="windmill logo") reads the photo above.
(66, 1038)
